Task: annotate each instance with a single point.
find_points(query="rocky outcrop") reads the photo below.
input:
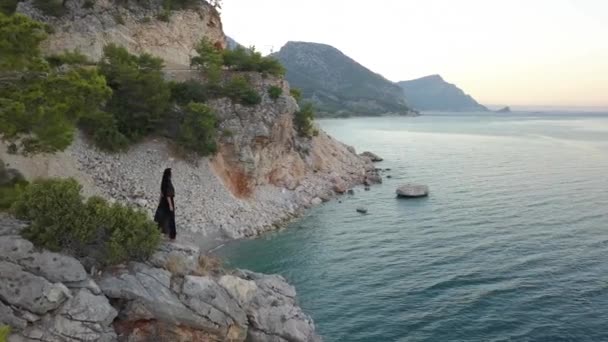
(174, 297)
(504, 110)
(374, 158)
(132, 24)
(47, 296)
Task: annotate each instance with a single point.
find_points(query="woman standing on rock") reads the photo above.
(165, 213)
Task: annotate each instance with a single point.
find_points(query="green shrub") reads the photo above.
(275, 92)
(52, 8)
(61, 221)
(271, 65)
(165, 16)
(209, 60)
(132, 235)
(303, 120)
(242, 59)
(146, 20)
(238, 89)
(198, 129)
(8, 7)
(20, 39)
(296, 94)
(119, 19)
(68, 57)
(11, 186)
(41, 114)
(189, 91)
(179, 4)
(40, 107)
(5, 331)
(9, 194)
(140, 96)
(55, 209)
(88, 4)
(102, 129)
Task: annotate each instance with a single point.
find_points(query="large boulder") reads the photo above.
(180, 259)
(85, 317)
(57, 268)
(28, 291)
(273, 312)
(412, 191)
(372, 156)
(153, 296)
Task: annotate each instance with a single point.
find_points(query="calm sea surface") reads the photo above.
(512, 244)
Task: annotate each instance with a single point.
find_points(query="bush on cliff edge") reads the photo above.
(62, 221)
(197, 131)
(304, 120)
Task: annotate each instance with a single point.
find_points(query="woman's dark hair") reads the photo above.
(166, 182)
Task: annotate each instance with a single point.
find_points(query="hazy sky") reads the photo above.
(515, 52)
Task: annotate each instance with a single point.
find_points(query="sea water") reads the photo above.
(511, 245)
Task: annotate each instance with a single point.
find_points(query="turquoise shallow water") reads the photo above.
(512, 244)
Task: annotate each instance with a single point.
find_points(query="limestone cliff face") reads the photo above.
(132, 25)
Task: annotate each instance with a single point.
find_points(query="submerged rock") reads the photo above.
(412, 191)
(362, 210)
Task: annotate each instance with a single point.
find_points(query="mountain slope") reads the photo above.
(434, 93)
(337, 84)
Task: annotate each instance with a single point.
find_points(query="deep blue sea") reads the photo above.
(512, 244)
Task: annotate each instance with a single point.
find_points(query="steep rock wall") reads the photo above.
(132, 25)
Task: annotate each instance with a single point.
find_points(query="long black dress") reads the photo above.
(164, 216)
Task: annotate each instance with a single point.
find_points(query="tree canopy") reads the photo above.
(40, 105)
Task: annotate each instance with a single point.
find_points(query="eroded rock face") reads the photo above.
(141, 302)
(273, 312)
(156, 304)
(46, 296)
(131, 24)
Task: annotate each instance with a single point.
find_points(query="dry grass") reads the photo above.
(209, 265)
(176, 265)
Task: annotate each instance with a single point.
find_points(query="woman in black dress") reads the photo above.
(165, 213)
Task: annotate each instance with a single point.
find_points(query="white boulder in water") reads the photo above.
(412, 191)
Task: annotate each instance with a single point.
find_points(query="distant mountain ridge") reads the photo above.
(434, 93)
(338, 85)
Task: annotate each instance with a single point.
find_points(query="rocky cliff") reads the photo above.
(263, 174)
(434, 93)
(337, 84)
(175, 297)
(87, 26)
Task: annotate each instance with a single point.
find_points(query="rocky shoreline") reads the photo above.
(175, 296)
